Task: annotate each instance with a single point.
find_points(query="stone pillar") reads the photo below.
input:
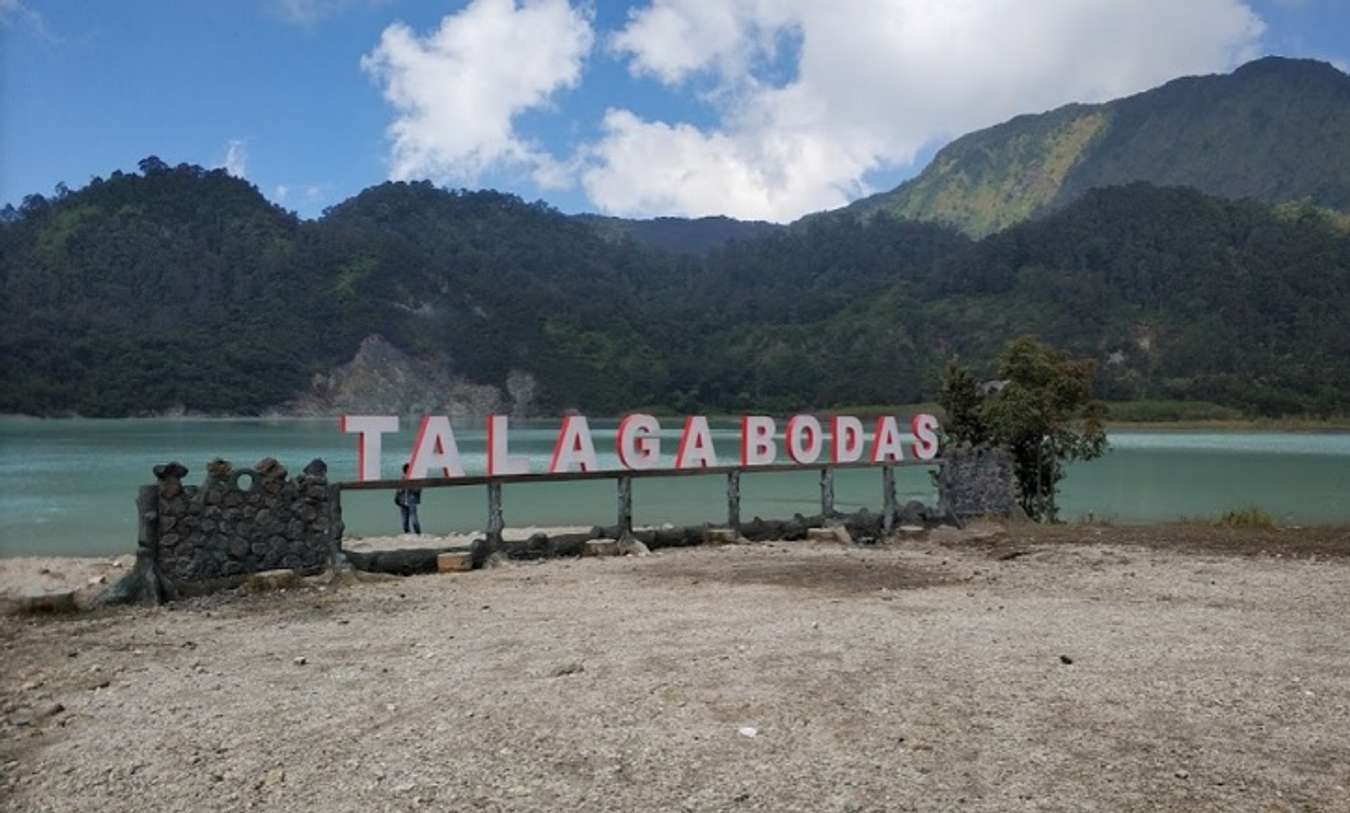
(887, 499)
(827, 493)
(734, 500)
(977, 481)
(143, 583)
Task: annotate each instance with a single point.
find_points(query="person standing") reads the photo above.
(407, 500)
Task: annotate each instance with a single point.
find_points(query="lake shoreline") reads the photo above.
(1302, 427)
(25, 574)
(1293, 424)
(66, 487)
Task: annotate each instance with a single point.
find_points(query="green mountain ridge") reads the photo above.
(182, 288)
(681, 235)
(1274, 130)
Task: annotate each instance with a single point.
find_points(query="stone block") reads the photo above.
(39, 602)
(454, 562)
(825, 536)
(601, 547)
(721, 536)
(269, 468)
(272, 580)
(175, 470)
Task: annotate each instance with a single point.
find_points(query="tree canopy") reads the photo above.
(180, 286)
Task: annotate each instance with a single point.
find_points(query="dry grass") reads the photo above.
(1251, 517)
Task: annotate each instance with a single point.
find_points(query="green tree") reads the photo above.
(1045, 415)
(961, 401)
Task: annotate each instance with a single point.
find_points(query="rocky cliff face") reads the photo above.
(383, 380)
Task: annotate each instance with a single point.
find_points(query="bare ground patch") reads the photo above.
(833, 572)
(1179, 537)
(1109, 674)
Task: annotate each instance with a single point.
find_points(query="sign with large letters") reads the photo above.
(806, 441)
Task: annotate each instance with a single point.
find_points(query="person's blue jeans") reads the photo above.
(410, 521)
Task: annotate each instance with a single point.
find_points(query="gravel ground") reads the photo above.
(22, 576)
(1067, 670)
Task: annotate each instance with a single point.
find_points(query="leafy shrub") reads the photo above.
(1249, 518)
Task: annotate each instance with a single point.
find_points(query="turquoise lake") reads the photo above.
(67, 487)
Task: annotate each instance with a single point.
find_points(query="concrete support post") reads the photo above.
(335, 527)
(827, 492)
(495, 522)
(625, 508)
(734, 500)
(887, 499)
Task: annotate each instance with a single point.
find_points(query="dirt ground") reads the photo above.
(1178, 668)
(37, 575)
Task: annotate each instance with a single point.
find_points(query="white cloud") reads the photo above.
(236, 157)
(280, 193)
(877, 80)
(459, 89)
(672, 40)
(15, 14)
(311, 12)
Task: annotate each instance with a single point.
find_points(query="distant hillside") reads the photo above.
(1274, 130)
(1175, 293)
(680, 235)
(184, 289)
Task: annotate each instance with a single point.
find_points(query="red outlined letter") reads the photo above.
(574, 446)
(368, 445)
(499, 459)
(886, 445)
(696, 448)
(924, 428)
(435, 448)
(757, 446)
(638, 442)
(804, 439)
(846, 439)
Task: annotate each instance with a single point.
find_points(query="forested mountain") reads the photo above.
(1176, 294)
(180, 286)
(682, 235)
(1275, 130)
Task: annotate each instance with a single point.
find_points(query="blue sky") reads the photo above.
(754, 109)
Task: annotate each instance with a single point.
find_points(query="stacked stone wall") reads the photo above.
(237, 522)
